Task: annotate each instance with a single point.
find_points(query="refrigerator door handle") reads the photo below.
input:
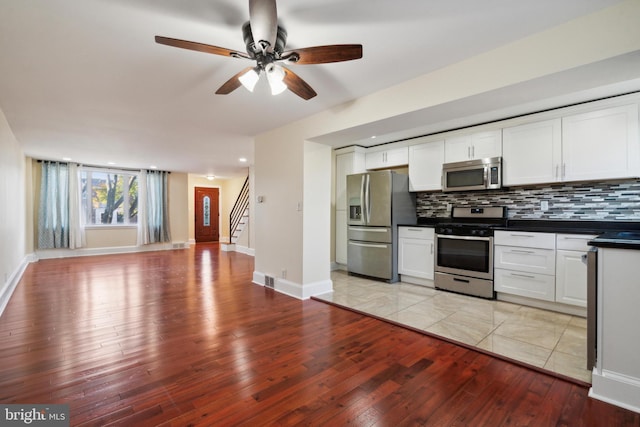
(362, 204)
(367, 195)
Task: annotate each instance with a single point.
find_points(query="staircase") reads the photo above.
(239, 216)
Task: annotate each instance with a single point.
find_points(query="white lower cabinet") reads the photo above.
(543, 266)
(525, 264)
(538, 286)
(415, 252)
(571, 269)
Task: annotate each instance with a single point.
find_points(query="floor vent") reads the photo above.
(268, 282)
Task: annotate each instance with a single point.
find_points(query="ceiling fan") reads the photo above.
(265, 42)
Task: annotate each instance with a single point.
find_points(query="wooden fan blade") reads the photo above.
(326, 54)
(263, 16)
(200, 47)
(232, 84)
(297, 85)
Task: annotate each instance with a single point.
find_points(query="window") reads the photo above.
(109, 197)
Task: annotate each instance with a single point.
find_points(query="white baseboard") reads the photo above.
(337, 266)
(293, 289)
(617, 389)
(417, 281)
(245, 250)
(227, 247)
(545, 305)
(69, 253)
(10, 286)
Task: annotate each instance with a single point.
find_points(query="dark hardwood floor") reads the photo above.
(179, 338)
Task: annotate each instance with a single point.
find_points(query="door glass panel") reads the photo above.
(206, 211)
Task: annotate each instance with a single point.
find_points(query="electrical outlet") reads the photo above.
(544, 205)
(284, 273)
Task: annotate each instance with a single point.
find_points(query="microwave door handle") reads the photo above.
(486, 176)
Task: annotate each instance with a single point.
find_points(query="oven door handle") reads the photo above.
(447, 236)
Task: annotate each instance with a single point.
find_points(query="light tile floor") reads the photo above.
(553, 341)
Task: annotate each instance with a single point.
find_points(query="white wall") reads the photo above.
(277, 222)
(281, 159)
(316, 277)
(13, 198)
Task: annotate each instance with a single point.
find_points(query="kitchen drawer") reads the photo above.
(526, 239)
(424, 233)
(573, 242)
(538, 286)
(530, 260)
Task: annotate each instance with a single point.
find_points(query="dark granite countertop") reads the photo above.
(611, 234)
(618, 239)
(573, 227)
(548, 226)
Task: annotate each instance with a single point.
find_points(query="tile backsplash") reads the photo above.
(592, 201)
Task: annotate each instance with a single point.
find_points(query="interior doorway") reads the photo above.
(207, 218)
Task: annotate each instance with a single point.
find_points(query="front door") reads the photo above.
(207, 214)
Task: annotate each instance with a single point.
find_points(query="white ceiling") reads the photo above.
(84, 79)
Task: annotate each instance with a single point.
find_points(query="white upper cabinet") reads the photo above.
(601, 144)
(389, 158)
(531, 153)
(425, 166)
(473, 146)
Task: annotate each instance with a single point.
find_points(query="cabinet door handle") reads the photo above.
(468, 152)
(521, 235)
(557, 169)
(432, 249)
(473, 151)
(414, 229)
(564, 170)
(526, 276)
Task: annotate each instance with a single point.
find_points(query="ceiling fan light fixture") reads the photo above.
(249, 79)
(275, 76)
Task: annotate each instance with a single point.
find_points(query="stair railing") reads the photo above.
(239, 207)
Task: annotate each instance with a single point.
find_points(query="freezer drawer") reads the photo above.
(370, 259)
(370, 234)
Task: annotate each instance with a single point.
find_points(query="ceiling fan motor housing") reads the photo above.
(256, 50)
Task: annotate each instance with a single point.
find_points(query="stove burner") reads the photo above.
(473, 221)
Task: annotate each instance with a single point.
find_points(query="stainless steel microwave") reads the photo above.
(480, 174)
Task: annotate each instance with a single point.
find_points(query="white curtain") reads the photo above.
(153, 213)
(143, 224)
(59, 213)
(53, 212)
(77, 237)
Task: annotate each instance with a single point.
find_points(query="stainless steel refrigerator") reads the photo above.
(378, 202)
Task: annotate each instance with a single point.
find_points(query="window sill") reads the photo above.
(110, 227)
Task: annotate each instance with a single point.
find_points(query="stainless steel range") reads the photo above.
(464, 250)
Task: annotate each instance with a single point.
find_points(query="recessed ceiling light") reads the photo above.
(66, 159)
(111, 163)
(373, 137)
(242, 159)
(153, 167)
(211, 177)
